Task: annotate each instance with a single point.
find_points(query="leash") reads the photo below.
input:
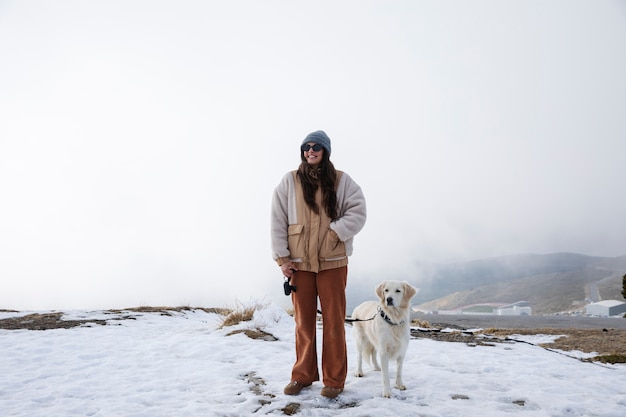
(288, 289)
(379, 311)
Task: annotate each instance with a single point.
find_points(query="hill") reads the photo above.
(550, 283)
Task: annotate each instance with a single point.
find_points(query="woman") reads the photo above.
(316, 211)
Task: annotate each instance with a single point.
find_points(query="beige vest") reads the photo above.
(313, 245)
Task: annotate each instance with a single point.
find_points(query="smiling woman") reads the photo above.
(316, 212)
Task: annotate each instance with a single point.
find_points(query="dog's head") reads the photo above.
(395, 294)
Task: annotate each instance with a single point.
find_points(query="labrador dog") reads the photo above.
(383, 328)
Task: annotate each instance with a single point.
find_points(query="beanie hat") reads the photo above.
(319, 137)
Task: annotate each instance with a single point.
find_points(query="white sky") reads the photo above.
(140, 141)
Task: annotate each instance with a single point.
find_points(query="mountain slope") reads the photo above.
(547, 293)
(439, 280)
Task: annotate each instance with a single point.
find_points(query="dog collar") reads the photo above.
(386, 317)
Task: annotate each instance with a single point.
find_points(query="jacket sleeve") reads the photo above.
(352, 209)
(280, 221)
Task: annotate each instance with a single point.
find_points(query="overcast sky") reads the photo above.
(140, 141)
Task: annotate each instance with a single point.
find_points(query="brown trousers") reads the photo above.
(330, 287)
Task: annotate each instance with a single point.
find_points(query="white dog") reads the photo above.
(383, 328)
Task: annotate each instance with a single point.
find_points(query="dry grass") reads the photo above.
(256, 334)
(230, 317)
(167, 311)
(420, 323)
(608, 344)
(47, 321)
(240, 314)
(44, 322)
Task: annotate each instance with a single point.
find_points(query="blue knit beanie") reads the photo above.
(319, 137)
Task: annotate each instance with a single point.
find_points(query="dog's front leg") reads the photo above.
(384, 362)
(399, 383)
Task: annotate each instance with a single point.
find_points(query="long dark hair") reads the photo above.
(325, 176)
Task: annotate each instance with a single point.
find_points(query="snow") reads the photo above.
(185, 365)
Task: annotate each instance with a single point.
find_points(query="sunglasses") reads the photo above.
(306, 147)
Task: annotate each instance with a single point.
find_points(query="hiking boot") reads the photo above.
(330, 392)
(294, 387)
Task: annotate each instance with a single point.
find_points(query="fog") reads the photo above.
(140, 141)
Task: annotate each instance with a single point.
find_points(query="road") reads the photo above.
(592, 290)
(468, 321)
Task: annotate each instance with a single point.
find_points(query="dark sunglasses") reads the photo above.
(306, 147)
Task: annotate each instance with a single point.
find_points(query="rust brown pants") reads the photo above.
(330, 287)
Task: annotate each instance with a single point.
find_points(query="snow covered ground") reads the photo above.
(183, 365)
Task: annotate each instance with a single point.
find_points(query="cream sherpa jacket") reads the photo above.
(308, 239)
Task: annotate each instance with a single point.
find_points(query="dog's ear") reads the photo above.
(379, 290)
(409, 290)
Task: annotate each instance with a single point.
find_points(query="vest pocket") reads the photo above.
(295, 241)
(332, 248)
